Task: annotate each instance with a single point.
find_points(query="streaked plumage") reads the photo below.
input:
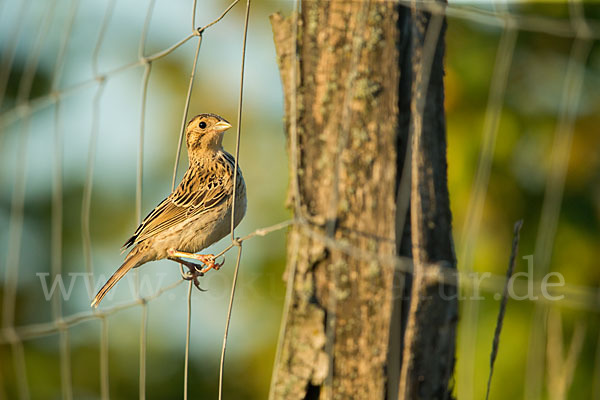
(198, 212)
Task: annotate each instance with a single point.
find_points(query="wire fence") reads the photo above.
(584, 32)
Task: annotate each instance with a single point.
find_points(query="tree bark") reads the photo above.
(350, 107)
(429, 341)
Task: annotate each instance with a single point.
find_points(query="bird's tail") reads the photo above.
(130, 262)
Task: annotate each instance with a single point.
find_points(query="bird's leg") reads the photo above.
(208, 260)
(195, 270)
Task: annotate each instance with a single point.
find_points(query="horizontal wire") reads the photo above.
(551, 26)
(576, 296)
(527, 23)
(31, 106)
(34, 331)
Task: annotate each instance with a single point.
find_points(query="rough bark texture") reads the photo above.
(348, 116)
(429, 341)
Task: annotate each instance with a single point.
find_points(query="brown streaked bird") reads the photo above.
(197, 213)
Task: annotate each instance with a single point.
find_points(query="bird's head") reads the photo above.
(205, 132)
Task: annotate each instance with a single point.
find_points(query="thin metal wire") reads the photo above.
(89, 179)
(36, 331)
(561, 150)
(66, 381)
(13, 260)
(470, 310)
(104, 377)
(87, 188)
(177, 156)
(235, 175)
(189, 94)
(138, 207)
(143, 347)
(223, 14)
(294, 185)
(22, 112)
(16, 113)
(239, 125)
(185, 113)
(576, 296)
(259, 232)
(139, 193)
(23, 94)
(528, 23)
(523, 23)
(9, 51)
(187, 340)
(194, 15)
(145, 28)
(228, 320)
(18, 202)
(291, 276)
(57, 181)
(18, 354)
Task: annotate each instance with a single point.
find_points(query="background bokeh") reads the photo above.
(518, 180)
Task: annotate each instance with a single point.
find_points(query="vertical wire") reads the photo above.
(57, 179)
(57, 209)
(20, 370)
(187, 341)
(87, 194)
(227, 322)
(561, 149)
(13, 259)
(65, 363)
(235, 175)
(138, 212)
(239, 116)
(194, 15)
(185, 112)
(468, 330)
(104, 380)
(138, 196)
(143, 345)
(291, 274)
(8, 55)
(87, 188)
(294, 246)
(177, 156)
(18, 198)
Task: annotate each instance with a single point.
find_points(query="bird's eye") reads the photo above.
(202, 125)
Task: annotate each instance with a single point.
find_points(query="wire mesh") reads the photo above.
(585, 34)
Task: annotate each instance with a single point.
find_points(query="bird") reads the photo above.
(196, 214)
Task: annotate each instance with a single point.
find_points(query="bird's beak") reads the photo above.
(221, 126)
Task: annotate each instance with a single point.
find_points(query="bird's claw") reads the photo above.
(194, 275)
(211, 264)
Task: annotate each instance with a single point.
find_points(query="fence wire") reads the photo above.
(583, 32)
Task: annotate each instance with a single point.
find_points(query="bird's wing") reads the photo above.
(199, 192)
